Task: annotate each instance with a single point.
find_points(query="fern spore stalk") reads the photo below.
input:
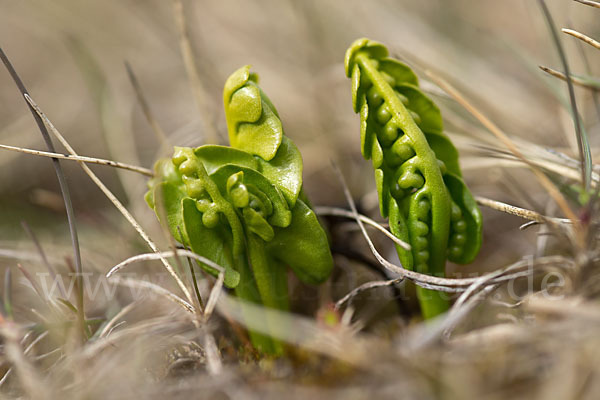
(416, 166)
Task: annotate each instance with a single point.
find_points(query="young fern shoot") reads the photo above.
(242, 206)
(417, 174)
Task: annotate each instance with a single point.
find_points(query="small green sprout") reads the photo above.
(416, 167)
(242, 206)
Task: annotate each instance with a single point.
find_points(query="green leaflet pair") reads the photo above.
(242, 206)
(416, 166)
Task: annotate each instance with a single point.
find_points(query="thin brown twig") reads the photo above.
(90, 160)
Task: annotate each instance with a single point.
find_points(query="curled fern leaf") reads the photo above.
(241, 206)
(254, 127)
(252, 120)
(416, 166)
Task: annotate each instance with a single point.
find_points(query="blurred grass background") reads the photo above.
(72, 54)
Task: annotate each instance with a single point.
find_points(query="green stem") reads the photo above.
(247, 290)
(432, 302)
(271, 281)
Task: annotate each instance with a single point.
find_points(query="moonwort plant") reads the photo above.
(243, 206)
(417, 174)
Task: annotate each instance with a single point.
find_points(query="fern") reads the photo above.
(417, 173)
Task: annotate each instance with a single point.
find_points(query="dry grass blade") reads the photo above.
(213, 360)
(135, 283)
(200, 303)
(527, 225)
(506, 161)
(160, 134)
(32, 281)
(161, 255)
(576, 80)
(27, 351)
(364, 287)
(50, 353)
(589, 3)
(7, 295)
(340, 212)
(578, 307)
(112, 198)
(585, 155)
(29, 378)
(41, 252)
(545, 262)
(548, 185)
(588, 71)
(425, 335)
(171, 325)
(64, 188)
(582, 37)
(518, 211)
(478, 291)
(107, 328)
(192, 70)
(91, 160)
(544, 158)
(214, 294)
